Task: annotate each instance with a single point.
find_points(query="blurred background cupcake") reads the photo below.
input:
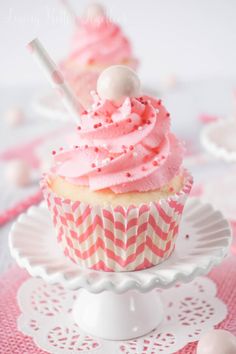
(97, 43)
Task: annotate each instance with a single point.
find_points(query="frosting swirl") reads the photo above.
(126, 147)
(100, 42)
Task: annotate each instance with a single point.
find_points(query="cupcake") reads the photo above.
(97, 43)
(117, 197)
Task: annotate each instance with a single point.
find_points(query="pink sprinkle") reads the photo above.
(61, 148)
(131, 147)
(85, 112)
(111, 158)
(99, 169)
(96, 149)
(95, 126)
(144, 168)
(93, 165)
(79, 127)
(187, 236)
(86, 146)
(128, 174)
(109, 121)
(54, 152)
(159, 102)
(129, 120)
(155, 163)
(167, 114)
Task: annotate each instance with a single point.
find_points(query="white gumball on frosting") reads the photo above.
(117, 82)
(94, 11)
(217, 341)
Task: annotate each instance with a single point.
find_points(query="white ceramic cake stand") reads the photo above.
(121, 306)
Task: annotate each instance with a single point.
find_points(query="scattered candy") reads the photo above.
(14, 116)
(217, 341)
(117, 82)
(207, 118)
(17, 173)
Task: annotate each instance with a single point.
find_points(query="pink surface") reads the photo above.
(12, 213)
(14, 342)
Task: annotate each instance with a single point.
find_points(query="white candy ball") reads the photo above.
(94, 11)
(17, 172)
(117, 82)
(217, 341)
(14, 116)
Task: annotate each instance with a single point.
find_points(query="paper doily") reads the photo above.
(190, 310)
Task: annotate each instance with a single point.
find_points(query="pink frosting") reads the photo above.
(125, 148)
(100, 42)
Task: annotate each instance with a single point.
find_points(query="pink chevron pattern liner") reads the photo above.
(117, 238)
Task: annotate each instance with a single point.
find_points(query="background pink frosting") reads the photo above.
(100, 42)
(125, 148)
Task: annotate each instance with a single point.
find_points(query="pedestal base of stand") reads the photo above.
(118, 316)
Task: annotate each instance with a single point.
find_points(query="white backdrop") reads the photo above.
(190, 38)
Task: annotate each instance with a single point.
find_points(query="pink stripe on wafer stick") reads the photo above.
(56, 79)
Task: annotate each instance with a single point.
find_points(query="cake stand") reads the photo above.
(120, 306)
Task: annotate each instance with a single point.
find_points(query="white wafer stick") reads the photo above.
(70, 11)
(56, 79)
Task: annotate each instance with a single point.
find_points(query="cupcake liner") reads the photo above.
(117, 238)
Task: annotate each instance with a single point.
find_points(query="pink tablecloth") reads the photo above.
(14, 342)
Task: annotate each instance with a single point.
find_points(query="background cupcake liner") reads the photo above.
(117, 238)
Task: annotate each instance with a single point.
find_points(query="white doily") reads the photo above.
(190, 310)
